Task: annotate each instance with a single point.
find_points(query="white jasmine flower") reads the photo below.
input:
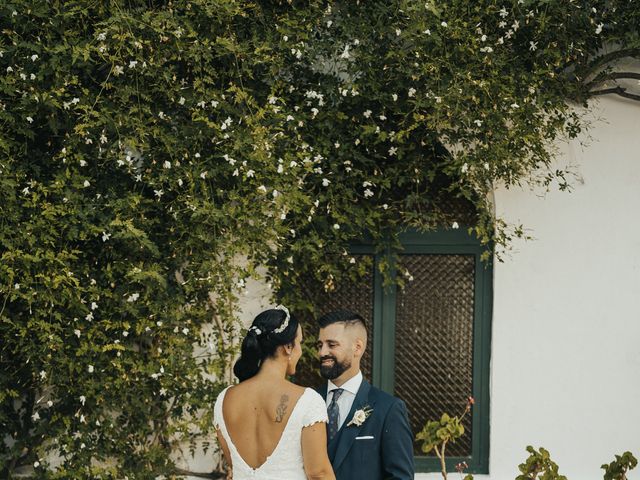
(478, 122)
(82, 399)
(325, 182)
(251, 173)
(77, 333)
(289, 118)
(94, 305)
(336, 226)
(35, 417)
(90, 369)
(103, 138)
(9, 69)
(185, 331)
(367, 113)
(49, 403)
(34, 58)
(427, 32)
(465, 168)
(204, 174)
(503, 12)
(486, 49)
(181, 101)
(262, 189)
(125, 333)
(483, 38)
(101, 37)
(133, 63)
(166, 164)
(455, 225)
(398, 32)
(382, 117)
(133, 297)
(105, 236)
(345, 54)
(158, 193)
(29, 119)
(599, 28)
(86, 183)
(36, 464)
(43, 374)
(486, 166)
(412, 92)
(285, 38)
(368, 193)
(444, 24)
(393, 151)
(89, 317)
(395, 97)
(118, 70)
(533, 46)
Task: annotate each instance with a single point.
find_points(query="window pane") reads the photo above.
(434, 339)
(357, 297)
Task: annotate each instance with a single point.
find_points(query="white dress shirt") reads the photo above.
(345, 402)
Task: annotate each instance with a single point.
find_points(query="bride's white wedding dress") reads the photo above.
(285, 462)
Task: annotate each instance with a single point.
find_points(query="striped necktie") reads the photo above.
(334, 413)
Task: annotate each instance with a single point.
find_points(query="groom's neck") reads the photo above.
(345, 377)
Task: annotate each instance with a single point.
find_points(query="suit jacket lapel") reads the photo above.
(347, 435)
(323, 391)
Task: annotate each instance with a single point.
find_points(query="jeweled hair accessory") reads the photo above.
(256, 329)
(285, 324)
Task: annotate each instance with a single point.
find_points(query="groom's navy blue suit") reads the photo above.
(382, 447)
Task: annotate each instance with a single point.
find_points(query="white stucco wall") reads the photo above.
(566, 313)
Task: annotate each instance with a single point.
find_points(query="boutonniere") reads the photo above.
(360, 416)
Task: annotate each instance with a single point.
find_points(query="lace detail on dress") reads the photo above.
(316, 411)
(285, 462)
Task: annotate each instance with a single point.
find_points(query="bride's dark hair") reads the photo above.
(262, 341)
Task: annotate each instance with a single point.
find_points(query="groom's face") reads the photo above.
(336, 351)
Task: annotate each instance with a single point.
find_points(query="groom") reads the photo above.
(368, 431)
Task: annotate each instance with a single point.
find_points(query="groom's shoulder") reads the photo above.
(383, 398)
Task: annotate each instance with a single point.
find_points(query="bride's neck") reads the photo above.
(273, 369)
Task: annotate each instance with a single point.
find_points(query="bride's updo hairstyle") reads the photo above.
(269, 330)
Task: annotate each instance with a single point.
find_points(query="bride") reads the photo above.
(268, 427)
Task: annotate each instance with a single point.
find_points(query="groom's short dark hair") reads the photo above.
(341, 316)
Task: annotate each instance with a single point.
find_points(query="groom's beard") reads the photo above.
(334, 370)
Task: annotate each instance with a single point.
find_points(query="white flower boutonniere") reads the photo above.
(360, 416)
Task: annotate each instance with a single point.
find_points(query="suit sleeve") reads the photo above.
(397, 444)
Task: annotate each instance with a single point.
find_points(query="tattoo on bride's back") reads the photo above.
(281, 410)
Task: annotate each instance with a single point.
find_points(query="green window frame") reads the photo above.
(445, 242)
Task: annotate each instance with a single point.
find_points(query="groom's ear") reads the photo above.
(360, 346)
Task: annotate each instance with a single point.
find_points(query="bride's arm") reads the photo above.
(314, 452)
(225, 448)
